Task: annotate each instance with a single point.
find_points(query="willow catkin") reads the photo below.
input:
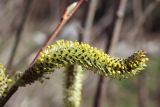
(63, 53)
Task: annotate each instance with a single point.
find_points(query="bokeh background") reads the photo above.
(26, 24)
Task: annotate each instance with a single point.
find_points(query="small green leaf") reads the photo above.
(71, 7)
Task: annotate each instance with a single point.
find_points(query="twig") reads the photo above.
(142, 19)
(118, 26)
(100, 26)
(18, 34)
(65, 18)
(114, 36)
(89, 20)
(4, 43)
(142, 92)
(137, 8)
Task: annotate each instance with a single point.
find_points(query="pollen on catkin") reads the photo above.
(63, 53)
(4, 81)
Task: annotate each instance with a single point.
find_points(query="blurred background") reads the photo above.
(119, 27)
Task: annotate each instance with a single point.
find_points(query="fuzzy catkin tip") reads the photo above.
(63, 53)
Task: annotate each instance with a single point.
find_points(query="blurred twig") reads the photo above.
(89, 20)
(142, 19)
(67, 15)
(137, 8)
(100, 27)
(18, 34)
(4, 42)
(157, 90)
(118, 26)
(142, 92)
(21, 61)
(114, 36)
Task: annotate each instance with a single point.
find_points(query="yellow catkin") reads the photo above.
(63, 53)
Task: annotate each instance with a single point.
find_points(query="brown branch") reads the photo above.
(64, 19)
(19, 33)
(110, 46)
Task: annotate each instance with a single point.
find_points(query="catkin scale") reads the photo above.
(64, 53)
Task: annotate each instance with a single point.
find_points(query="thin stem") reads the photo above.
(11, 91)
(142, 19)
(89, 20)
(99, 92)
(142, 91)
(137, 8)
(118, 25)
(19, 33)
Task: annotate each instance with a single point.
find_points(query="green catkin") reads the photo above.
(73, 85)
(64, 53)
(4, 81)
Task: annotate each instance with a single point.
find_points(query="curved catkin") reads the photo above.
(4, 81)
(63, 53)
